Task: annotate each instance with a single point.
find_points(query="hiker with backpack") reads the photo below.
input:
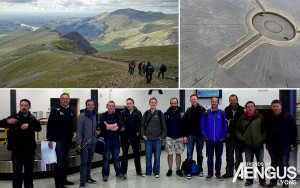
(21, 141)
(162, 70)
(131, 66)
(252, 131)
(87, 127)
(149, 69)
(192, 133)
(111, 124)
(281, 139)
(130, 135)
(153, 131)
(174, 139)
(214, 128)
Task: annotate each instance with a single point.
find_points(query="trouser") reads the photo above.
(231, 151)
(162, 74)
(259, 154)
(135, 144)
(148, 77)
(86, 158)
(61, 167)
(153, 146)
(19, 160)
(217, 148)
(111, 146)
(192, 140)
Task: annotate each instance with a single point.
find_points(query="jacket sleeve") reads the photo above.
(101, 122)
(35, 125)
(143, 124)
(185, 123)
(119, 122)
(79, 128)
(293, 130)
(164, 126)
(3, 123)
(50, 125)
(264, 129)
(203, 122)
(238, 130)
(140, 116)
(225, 126)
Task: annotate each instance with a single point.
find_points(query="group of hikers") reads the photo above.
(146, 68)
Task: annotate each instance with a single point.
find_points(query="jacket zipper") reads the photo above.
(214, 114)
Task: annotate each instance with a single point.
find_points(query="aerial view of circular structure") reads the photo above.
(234, 44)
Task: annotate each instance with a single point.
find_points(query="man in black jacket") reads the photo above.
(131, 120)
(281, 139)
(60, 128)
(21, 141)
(192, 133)
(233, 112)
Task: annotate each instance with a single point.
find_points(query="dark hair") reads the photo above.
(193, 95)
(89, 100)
(130, 99)
(216, 98)
(248, 103)
(234, 95)
(276, 101)
(174, 98)
(152, 98)
(64, 94)
(26, 100)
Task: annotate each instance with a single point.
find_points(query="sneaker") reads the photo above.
(208, 177)
(67, 182)
(121, 177)
(271, 184)
(189, 176)
(239, 178)
(156, 176)
(179, 173)
(91, 181)
(141, 174)
(263, 184)
(225, 176)
(220, 178)
(200, 174)
(81, 185)
(169, 173)
(105, 178)
(248, 183)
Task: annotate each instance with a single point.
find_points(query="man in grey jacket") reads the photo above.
(153, 130)
(87, 130)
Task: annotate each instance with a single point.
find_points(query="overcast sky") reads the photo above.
(86, 6)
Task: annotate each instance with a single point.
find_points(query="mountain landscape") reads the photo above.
(89, 52)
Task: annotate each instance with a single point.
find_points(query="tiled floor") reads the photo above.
(149, 181)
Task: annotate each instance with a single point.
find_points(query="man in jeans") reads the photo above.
(153, 130)
(87, 128)
(110, 124)
(281, 140)
(233, 112)
(60, 128)
(192, 133)
(131, 119)
(252, 131)
(214, 129)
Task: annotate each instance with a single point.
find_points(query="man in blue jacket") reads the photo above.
(174, 139)
(214, 129)
(110, 124)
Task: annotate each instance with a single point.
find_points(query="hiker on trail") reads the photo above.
(162, 70)
(131, 66)
(140, 67)
(149, 71)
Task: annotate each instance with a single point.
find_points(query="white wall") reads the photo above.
(4, 103)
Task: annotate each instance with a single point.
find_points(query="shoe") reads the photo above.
(225, 176)
(208, 177)
(263, 184)
(285, 186)
(91, 181)
(105, 178)
(141, 174)
(156, 176)
(179, 173)
(169, 173)
(239, 178)
(121, 177)
(62, 186)
(81, 185)
(220, 178)
(200, 174)
(271, 184)
(67, 182)
(189, 176)
(248, 183)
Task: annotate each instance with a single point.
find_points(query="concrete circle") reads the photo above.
(273, 26)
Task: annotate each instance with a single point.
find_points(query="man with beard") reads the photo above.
(174, 139)
(21, 141)
(233, 112)
(131, 120)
